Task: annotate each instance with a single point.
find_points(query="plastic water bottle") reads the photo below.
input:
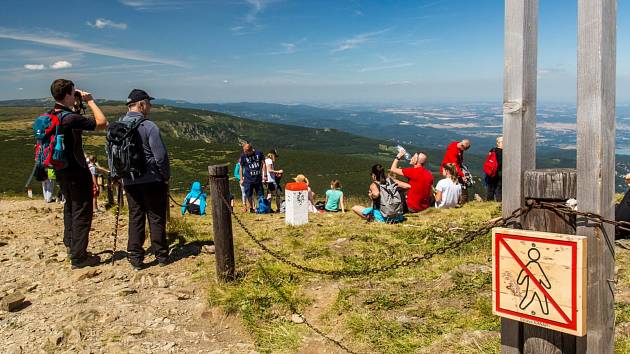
(402, 149)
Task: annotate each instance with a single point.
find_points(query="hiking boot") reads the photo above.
(136, 266)
(87, 261)
(164, 262)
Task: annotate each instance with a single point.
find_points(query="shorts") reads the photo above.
(248, 189)
(272, 187)
(378, 217)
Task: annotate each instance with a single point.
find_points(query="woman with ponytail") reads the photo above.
(448, 190)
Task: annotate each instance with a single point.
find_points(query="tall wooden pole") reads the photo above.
(519, 121)
(552, 185)
(221, 222)
(596, 164)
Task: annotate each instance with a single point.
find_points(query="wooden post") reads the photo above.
(554, 185)
(519, 122)
(596, 164)
(221, 222)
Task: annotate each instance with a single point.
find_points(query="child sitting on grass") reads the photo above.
(334, 198)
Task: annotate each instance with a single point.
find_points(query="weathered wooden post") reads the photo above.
(596, 164)
(221, 222)
(553, 185)
(519, 122)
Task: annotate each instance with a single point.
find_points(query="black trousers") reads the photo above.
(147, 200)
(76, 187)
(494, 189)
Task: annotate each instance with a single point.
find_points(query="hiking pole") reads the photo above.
(30, 178)
(119, 199)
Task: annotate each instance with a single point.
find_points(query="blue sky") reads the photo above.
(285, 50)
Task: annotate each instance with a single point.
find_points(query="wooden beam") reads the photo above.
(519, 121)
(596, 163)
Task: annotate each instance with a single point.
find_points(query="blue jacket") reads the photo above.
(196, 195)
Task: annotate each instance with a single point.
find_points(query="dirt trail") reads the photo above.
(104, 309)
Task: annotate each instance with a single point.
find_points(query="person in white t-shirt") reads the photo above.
(272, 179)
(448, 190)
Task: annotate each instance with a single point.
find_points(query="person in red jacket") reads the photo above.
(419, 195)
(455, 155)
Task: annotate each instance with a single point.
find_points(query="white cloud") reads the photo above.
(159, 5)
(357, 40)
(20, 88)
(385, 67)
(86, 48)
(101, 23)
(62, 64)
(289, 47)
(34, 66)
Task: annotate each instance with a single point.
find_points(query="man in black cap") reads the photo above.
(147, 194)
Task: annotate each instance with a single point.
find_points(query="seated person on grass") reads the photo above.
(420, 195)
(387, 203)
(334, 198)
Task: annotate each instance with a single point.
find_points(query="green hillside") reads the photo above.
(198, 138)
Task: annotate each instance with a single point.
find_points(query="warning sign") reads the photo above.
(540, 278)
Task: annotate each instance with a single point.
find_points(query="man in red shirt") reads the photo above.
(455, 155)
(420, 194)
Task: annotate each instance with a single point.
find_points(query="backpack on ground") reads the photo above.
(491, 166)
(192, 207)
(391, 204)
(264, 206)
(125, 153)
(49, 145)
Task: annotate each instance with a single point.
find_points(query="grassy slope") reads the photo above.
(441, 305)
(198, 138)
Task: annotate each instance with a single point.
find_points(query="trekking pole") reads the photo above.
(30, 177)
(119, 199)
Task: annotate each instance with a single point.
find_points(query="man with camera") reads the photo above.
(75, 179)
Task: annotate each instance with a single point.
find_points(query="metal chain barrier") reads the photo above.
(451, 245)
(174, 201)
(568, 210)
(295, 311)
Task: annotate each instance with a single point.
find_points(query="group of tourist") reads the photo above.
(393, 193)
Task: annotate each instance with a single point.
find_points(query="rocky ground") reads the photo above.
(103, 309)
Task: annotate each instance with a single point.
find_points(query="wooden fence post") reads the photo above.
(553, 185)
(596, 164)
(221, 222)
(519, 122)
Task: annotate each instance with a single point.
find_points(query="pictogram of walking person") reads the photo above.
(532, 292)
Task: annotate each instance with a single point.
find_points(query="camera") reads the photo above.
(79, 105)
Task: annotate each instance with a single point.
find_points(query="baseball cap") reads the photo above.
(137, 95)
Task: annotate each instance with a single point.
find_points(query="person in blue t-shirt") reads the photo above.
(334, 198)
(253, 174)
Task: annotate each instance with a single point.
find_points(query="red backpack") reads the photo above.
(491, 165)
(49, 146)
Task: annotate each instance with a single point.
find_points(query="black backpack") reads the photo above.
(125, 153)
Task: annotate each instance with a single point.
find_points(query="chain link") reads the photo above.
(451, 245)
(295, 311)
(174, 201)
(567, 210)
